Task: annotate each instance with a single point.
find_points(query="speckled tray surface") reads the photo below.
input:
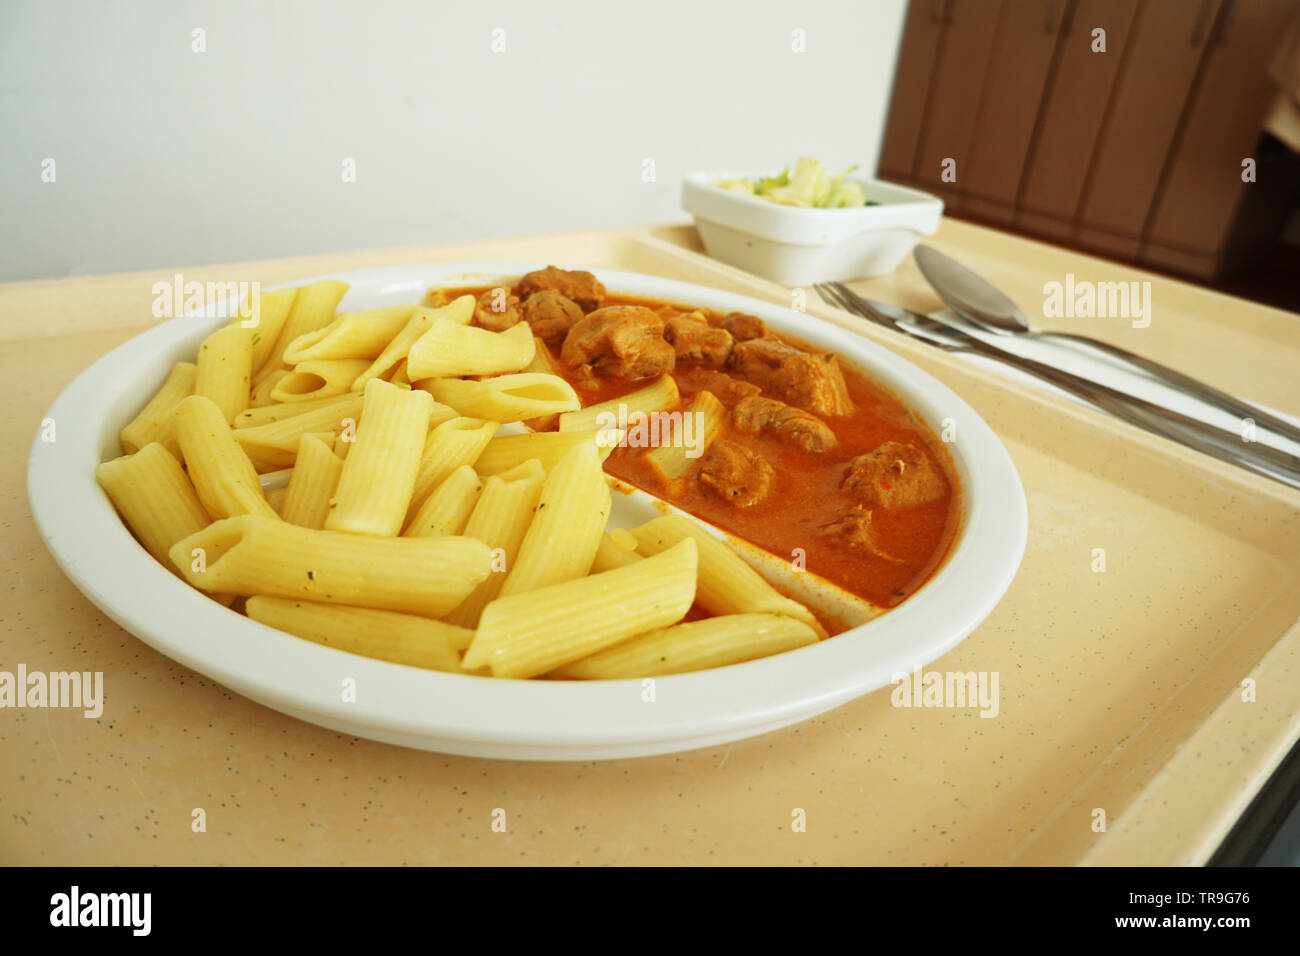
(1120, 691)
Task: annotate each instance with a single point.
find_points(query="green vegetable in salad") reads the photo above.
(809, 186)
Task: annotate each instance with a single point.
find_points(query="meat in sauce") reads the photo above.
(756, 414)
(578, 286)
(551, 314)
(734, 474)
(808, 380)
(894, 475)
(620, 341)
(696, 341)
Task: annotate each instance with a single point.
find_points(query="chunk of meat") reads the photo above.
(757, 414)
(576, 285)
(893, 475)
(551, 315)
(726, 389)
(696, 342)
(621, 341)
(744, 327)
(854, 530)
(497, 309)
(735, 474)
(808, 380)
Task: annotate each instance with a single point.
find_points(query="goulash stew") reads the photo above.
(813, 462)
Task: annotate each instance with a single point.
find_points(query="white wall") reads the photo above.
(165, 156)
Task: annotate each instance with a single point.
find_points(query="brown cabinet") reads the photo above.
(1134, 152)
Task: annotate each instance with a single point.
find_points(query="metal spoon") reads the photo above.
(987, 308)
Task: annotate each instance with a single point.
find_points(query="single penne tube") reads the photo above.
(500, 518)
(727, 584)
(267, 322)
(312, 483)
(538, 631)
(455, 442)
(509, 451)
(561, 541)
(318, 379)
(399, 376)
(260, 396)
(155, 423)
(448, 506)
(386, 635)
(250, 555)
(312, 308)
(154, 497)
(267, 414)
(223, 476)
(449, 349)
(701, 422)
(610, 555)
(505, 398)
(693, 646)
(660, 395)
(224, 371)
(459, 310)
(352, 335)
(378, 477)
(275, 444)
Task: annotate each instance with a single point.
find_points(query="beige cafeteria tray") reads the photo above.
(1120, 691)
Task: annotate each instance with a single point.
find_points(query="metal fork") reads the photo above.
(1201, 436)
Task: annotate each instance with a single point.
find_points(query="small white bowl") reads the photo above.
(797, 246)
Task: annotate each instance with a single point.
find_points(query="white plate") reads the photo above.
(526, 720)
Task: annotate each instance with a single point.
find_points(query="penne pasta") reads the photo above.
(250, 555)
(659, 395)
(272, 311)
(378, 477)
(544, 629)
(386, 635)
(610, 555)
(509, 451)
(318, 379)
(505, 398)
(313, 308)
(458, 441)
(352, 335)
(459, 311)
(561, 541)
(155, 498)
(268, 414)
(312, 484)
(156, 423)
(223, 476)
(727, 584)
(275, 497)
(450, 349)
(448, 506)
(689, 438)
(262, 388)
(694, 646)
(500, 518)
(275, 444)
(224, 371)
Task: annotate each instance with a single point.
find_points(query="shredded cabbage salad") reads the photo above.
(809, 186)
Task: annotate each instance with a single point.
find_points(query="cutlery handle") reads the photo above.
(1194, 387)
(1191, 432)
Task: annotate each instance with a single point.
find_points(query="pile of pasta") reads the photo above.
(409, 529)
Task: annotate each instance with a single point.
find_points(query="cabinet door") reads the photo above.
(1022, 56)
(1203, 185)
(916, 54)
(953, 104)
(1160, 63)
(1072, 116)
